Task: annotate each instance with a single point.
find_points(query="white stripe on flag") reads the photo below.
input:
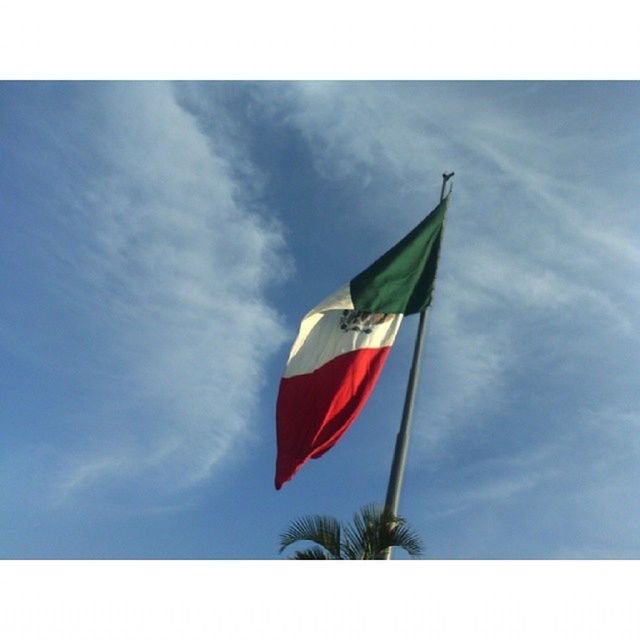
(333, 328)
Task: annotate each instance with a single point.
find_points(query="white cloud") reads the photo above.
(496, 482)
(532, 235)
(165, 271)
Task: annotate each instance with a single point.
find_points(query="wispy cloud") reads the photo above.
(544, 247)
(162, 270)
(148, 301)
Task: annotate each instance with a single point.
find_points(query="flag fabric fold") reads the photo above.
(343, 343)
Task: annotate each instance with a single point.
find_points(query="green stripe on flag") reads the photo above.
(402, 280)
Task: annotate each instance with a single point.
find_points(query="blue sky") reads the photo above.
(160, 243)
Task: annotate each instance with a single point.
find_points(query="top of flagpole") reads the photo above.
(445, 178)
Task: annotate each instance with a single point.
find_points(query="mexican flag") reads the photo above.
(343, 343)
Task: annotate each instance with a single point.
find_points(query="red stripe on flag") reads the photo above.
(315, 409)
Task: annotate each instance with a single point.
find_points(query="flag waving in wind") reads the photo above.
(343, 343)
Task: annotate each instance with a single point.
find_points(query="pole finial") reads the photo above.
(445, 178)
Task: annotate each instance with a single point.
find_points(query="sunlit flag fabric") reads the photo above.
(343, 343)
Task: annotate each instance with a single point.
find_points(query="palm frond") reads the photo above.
(406, 539)
(374, 530)
(361, 535)
(322, 530)
(313, 553)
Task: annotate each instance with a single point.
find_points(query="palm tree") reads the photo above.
(371, 533)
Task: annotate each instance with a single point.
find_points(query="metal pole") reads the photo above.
(402, 439)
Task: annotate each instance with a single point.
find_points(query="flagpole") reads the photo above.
(402, 439)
